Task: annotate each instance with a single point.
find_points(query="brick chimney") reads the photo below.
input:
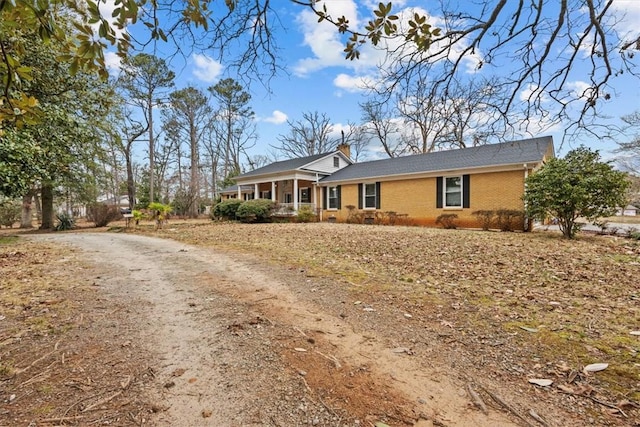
(345, 148)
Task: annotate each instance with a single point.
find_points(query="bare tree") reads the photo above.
(311, 135)
(456, 119)
(381, 126)
(188, 115)
(357, 138)
(629, 152)
(533, 51)
(233, 125)
(142, 80)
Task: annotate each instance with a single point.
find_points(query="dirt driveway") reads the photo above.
(217, 341)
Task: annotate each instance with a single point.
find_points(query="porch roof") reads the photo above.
(285, 166)
(233, 189)
(507, 153)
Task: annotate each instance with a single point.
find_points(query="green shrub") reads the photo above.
(9, 212)
(306, 214)
(485, 217)
(102, 214)
(159, 212)
(256, 210)
(65, 222)
(227, 209)
(447, 221)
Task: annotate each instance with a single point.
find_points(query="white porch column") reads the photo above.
(295, 194)
(239, 192)
(273, 191)
(255, 191)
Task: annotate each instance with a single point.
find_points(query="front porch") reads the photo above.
(289, 195)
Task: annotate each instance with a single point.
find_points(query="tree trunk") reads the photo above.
(151, 149)
(27, 211)
(47, 207)
(36, 199)
(131, 185)
(194, 178)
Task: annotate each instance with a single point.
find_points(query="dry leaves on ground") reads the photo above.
(514, 305)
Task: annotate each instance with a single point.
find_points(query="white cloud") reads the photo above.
(106, 8)
(629, 13)
(112, 62)
(206, 69)
(580, 89)
(325, 42)
(352, 83)
(532, 91)
(277, 118)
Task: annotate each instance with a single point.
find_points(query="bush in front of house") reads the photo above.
(509, 219)
(256, 210)
(102, 214)
(226, 210)
(485, 217)
(306, 214)
(447, 221)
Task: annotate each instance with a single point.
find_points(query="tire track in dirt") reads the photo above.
(219, 326)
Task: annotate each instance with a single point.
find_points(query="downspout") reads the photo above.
(318, 197)
(525, 226)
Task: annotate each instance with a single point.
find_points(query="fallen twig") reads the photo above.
(331, 358)
(61, 419)
(477, 400)
(508, 407)
(608, 405)
(537, 417)
(102, 401)
(38, 360)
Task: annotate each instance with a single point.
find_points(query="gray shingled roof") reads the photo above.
(234, 188)
(514, 152)
(283, 166)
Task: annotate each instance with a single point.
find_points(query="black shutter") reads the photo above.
(325, 201)
(466, 179)
(359, 196)
(439, 192)
(339, 197)
(377, 195)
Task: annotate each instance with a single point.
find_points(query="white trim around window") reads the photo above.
(369, 195)
(452, 192)
(332, 198)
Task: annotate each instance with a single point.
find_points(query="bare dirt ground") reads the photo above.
(317, 324)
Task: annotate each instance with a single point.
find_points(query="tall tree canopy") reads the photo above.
(62, 147)
(561, 55)
(547, 61)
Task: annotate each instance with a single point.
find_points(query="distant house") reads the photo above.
(630, 210)
(421, 187)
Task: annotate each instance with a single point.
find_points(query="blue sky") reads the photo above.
(318, 78)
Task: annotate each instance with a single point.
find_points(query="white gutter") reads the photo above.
(526, 219)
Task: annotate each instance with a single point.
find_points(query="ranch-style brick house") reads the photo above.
(421, 187)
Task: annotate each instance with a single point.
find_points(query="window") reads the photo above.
(305, 195)
(336, 162)
(332, 202)
(370, 196)
(248, 196)
(453, 192)
(288, 198)
(265, 195)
